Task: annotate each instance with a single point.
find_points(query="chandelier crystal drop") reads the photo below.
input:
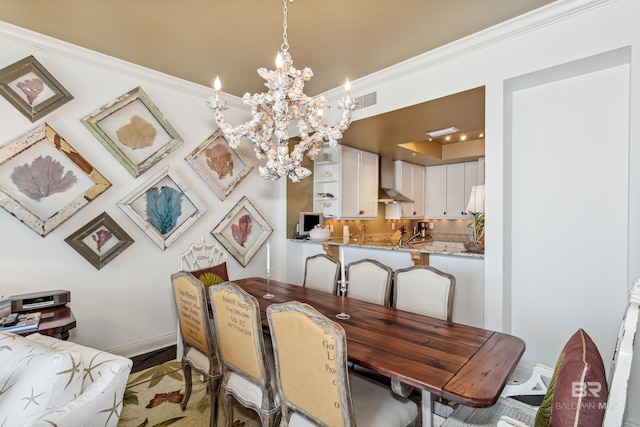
(275, 110)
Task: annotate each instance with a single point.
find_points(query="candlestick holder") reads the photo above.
(343, 290)
(268, 295)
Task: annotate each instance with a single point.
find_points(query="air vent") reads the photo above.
(367, 100)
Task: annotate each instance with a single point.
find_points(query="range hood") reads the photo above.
(389, 195)
(386, 192)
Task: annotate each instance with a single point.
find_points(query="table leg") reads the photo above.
(427, 409)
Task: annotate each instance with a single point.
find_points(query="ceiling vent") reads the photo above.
(367, 100)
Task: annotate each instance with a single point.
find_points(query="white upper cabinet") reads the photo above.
(410, 181)
(346, 183)
(359, 184)
(448, 189)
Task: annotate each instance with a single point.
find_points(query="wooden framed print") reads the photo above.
(242, 231)
(100, 240)
(163, 208)
(31, 89)
(134, 131)
(44, 180)
(219, 165)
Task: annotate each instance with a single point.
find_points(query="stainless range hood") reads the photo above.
(386, 192)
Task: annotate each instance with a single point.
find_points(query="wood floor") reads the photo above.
(153, 358)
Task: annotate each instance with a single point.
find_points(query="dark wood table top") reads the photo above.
(464, 364)
(56, 322)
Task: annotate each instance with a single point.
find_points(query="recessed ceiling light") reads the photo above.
(463, 137)
(441, 132)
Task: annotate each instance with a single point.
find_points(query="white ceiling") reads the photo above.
(196, 40)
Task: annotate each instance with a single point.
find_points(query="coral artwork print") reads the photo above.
(31, 88)
(241, 230)
(139, 133)
(43, 177)
(101, 237)
(164, 206)
(219, 160)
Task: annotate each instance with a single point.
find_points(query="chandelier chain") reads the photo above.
(285, 39)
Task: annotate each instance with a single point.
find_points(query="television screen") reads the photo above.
(307, 221)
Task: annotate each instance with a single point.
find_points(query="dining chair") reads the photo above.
(315, 385)
(574, 393)
(369, 280)
(321, 273)
(200, 353)
(247, 363)
(201, 255)
(424, 290)
(208, 263)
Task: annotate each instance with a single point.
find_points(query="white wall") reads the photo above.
(583, 274)
(127, 306)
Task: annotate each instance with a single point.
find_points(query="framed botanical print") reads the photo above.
(242, 231)
(31, 89)
(100, 240)
(44, 180)
(163, 208)
(219, 165)
(134, 131)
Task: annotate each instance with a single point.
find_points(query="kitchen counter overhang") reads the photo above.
(418, 251)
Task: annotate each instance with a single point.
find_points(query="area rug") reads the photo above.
(152, 399)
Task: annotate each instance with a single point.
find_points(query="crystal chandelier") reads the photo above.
(273, 111)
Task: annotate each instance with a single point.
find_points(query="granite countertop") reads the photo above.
(450, 246)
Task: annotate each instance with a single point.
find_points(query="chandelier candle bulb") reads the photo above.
(217, 86)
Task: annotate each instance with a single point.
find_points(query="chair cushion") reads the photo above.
(212, 275)
(35, 379)
(376, 405)
(578, 391)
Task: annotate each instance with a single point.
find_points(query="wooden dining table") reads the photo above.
(461, 363)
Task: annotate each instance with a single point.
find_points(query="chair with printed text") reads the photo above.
(369, 280)
(315, 385)
(247, 362)
(208, 263)
(200, 353)
(575, 392)
(321, 273)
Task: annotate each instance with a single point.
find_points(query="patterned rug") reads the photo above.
(152, 399)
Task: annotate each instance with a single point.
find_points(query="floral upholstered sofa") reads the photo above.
(48, 382)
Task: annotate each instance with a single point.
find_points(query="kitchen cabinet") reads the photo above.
(448, 188)
(410, 181)
(346, 183)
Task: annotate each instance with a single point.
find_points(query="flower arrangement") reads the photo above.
(475, 231)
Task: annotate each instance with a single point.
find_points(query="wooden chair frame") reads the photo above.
(201, 255)
(383, 270)
(198, 338)
(452, 286)
(315, 258)
(332, 328)
(268, 410)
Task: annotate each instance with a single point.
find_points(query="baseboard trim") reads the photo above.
(147, 346)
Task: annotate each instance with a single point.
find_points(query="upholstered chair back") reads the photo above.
(247, 372)
(424, 290)
(321, 273)
(369, 280)
(311, 363)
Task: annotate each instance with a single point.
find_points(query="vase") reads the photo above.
(476, 248)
